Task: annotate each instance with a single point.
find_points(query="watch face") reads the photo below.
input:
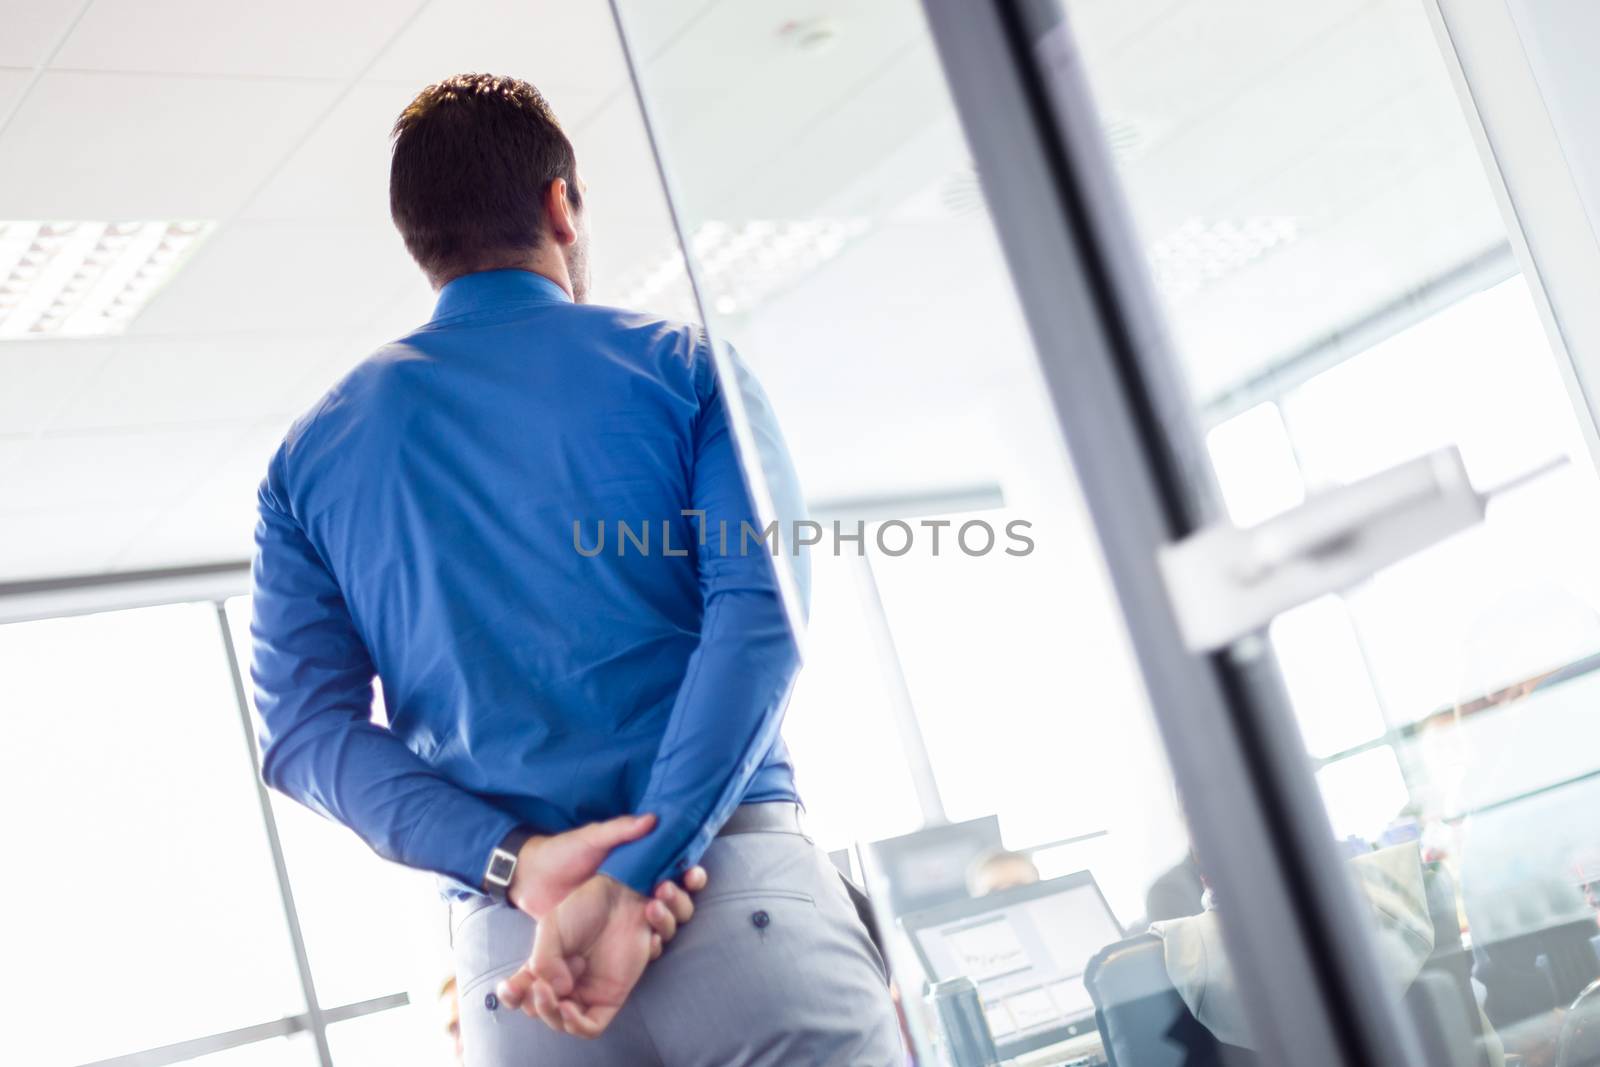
(501, 864)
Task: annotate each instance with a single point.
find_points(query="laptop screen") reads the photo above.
(1026, 950)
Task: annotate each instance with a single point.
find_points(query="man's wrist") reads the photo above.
(505, 865)
(518, 892)
(618, 890)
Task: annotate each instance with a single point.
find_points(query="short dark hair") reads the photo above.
(473, 158)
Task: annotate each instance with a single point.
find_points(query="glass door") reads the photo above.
(976, 730)
(1380, 508)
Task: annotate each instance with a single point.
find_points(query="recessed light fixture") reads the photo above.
(1200, 251)
(740, 262)
(810, 35)
(86, 279)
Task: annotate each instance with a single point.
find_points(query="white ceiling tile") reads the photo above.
(1195, 58)
(1110, 24)
(56, 544)
(1292, 118)
(341, 172)
(201, 531)
(555, 44)
(33, 28)
(117, 470)
(38, 379)
(749, 46)
(134, 146)
(796, 113)
(12, 83)
(628, 219)
(653, 25)
(286, 38)
(298, 277)
(403, 311)
(215, 521)
(170, 381)
(793, 175)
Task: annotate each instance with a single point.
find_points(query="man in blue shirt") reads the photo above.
(511, 518)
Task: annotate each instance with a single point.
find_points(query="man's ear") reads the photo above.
(560, 213)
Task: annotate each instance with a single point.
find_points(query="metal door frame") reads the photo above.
(1295, 929)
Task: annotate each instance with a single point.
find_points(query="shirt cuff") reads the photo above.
(457, 837)
(661, 854)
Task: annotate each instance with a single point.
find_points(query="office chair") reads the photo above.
(1580, 1031)
(1536, 972)
(1144, 1022)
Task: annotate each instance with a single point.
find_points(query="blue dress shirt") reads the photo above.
(433, 522)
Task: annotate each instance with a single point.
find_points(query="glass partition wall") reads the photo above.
(1342, 298)
(1327, 254)
(840, 250)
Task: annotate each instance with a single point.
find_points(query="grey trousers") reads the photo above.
(775, 970)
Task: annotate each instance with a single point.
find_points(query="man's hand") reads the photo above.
(589, 952)
(550, 868)
(588, 955)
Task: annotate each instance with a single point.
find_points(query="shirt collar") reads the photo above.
(491, 289)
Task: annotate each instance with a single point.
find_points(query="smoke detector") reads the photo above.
(809, 35)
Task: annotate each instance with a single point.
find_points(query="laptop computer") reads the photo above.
(1026, 950)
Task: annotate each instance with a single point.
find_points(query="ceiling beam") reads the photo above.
(84, 594)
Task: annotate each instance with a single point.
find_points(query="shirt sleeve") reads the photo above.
(727, 713)
(313, 681)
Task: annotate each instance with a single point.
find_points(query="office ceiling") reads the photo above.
(143, 450)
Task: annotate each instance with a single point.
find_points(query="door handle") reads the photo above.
(1225, 581)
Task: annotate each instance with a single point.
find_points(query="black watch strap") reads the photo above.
(502, 866)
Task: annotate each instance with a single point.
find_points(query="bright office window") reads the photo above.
(989, 660)
(1416, 640)
(142, 837)
(1477, 375)
(296, 1050)
(838, 726)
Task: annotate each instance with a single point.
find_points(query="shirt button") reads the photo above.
(760, 920)
(491, 1001)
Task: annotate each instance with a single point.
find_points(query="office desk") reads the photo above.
(1085, 1050)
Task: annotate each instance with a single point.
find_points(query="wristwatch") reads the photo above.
(502, 866)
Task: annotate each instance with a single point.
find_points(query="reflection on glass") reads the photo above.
(1342, 297)
(142, 840)
(969, 715)
(408, 1034)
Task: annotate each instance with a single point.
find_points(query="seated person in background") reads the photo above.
(1391, 880)
(1177, 892)
(999, 869)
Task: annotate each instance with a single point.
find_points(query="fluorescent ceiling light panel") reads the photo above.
(1201, 251)
(86, 279)
(741, 263)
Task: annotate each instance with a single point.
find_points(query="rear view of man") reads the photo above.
(570, 730)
